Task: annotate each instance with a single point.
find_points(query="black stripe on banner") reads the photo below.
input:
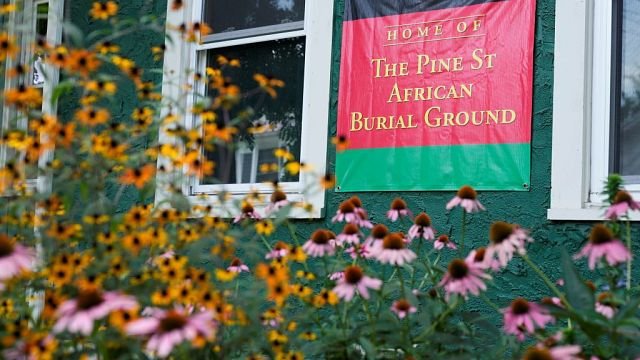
(363, 9)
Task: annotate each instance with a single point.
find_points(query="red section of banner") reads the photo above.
(447, 77)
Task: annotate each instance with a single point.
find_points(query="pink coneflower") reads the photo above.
(478, 257)
(442, 241)
(398, 208)
(319, 244)
(78, 315)
(602, 244)
(339, 275)
(280, 250)
(524, 317)
(505, 240)
(605, 305)
(247, 212)
(392, 250)
(363, 217)
(467, 198)
(14, 258)
(422, 228)
(167, 329)
(377, 234)
(464, 277)
(355, 280)
(350, 235)
(237, 266)
(402, 308)
(347, 213)
(566, 352)
(360, 250)
(278, 201)
(622, 203)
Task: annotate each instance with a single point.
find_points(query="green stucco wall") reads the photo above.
(525, 208)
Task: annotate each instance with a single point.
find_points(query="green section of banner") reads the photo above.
(485, 167)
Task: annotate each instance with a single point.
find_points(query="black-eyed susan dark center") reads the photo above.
(600, 234)
(458, 269)
(393, 241)
(500, 231)
(353, 275)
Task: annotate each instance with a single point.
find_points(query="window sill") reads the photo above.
(588, 214)
(229, 210)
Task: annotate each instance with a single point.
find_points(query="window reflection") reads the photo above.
(253, 161)
(225, 15)
(629, 127)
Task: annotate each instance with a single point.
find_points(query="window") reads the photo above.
(596, 104)
(36, 20)
(289, 40)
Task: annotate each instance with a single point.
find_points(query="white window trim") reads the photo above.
(55, 19)
(181, 55)
(581, 110)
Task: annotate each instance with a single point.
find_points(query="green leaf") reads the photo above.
(628, 310)
(578, 294)
(369, 348)
(62, 88)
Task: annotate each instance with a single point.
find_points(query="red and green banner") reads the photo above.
(436, 94)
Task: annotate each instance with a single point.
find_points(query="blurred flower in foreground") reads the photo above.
(524, 316)
(402, 308)
(567, 352)
(355, 280)
(622, 203)
(78, 315)
(14, 258)
(167, 329)
(464, 277)
(602, 244)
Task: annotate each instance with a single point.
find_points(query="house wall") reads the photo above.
(525, 208)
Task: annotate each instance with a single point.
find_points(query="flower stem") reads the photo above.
(547, 281)
(490, 303)
(404, 294)
(463, 231)
(439, 320)
(630, 252)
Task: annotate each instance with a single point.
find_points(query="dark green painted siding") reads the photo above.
(525, 208)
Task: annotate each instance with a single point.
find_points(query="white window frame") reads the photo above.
(582, 110)
(181, 55)
(54, 36)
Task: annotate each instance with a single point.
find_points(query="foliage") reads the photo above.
(81, 277)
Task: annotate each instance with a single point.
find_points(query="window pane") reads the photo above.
(629, 126)
(225, 15)
(280, 59)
